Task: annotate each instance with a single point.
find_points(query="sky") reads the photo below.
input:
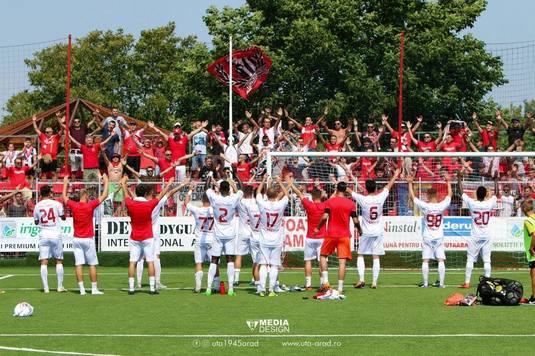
(30, 21)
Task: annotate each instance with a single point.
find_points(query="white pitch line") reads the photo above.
(7, 276)
(25, 349)
(269, 336)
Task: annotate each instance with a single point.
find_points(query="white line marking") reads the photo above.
(25, 349)
(7, 276)
(271, 336)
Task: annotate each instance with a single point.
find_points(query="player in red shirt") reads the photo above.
(338, 211)
(141, 236)
(314, 209)
(84, 233)
(48, 149)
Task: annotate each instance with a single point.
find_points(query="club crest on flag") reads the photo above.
(250, 68)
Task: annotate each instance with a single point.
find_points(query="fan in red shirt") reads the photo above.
(338, 211)
(91, 153)
(314, 209)
(333, 145)
(428, 144)
(84, 233)
(17, 174)
(49, 143)
(308, 131)
(489, 135)
(141, 237)
(243, 168)
(448, 145)
(404, 135)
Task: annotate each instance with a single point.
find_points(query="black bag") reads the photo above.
(499, 291)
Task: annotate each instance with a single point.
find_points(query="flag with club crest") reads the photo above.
(250, 68)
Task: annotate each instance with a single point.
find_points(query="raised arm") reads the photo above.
(281, 185)
(419, 120)
(249, 117)
(384, 119)
(157, 130)
(476, 122)
(104, 194)
(411, 133)
(35, 127)
(460, 182)
(294, 189)
(127, 191)
(393, 179)
(74, 141)
(65, 188)
(10, 195)
(439, 137)
(197, 130)
(410, 180)
(448, 184)
(298, 124)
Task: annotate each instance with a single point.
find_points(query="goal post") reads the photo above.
(513, 173)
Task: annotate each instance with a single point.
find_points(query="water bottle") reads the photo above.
(222, 288)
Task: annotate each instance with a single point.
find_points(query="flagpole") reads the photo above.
(230, 137)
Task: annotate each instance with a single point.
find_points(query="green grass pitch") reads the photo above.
(397, 318)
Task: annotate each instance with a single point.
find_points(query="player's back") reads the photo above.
(47, 213)
(340, 210)
(245, 228)
(481, 213)
(140, 212)
(271, 217)
(82, 216)
(225, 208)
(204, 222)
(254, 219)
(371, 211)
(314, 211)
(433, 217)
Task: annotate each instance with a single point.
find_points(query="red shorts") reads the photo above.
(341, 244)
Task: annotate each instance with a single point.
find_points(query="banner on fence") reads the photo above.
(401, 233)
(22, 235)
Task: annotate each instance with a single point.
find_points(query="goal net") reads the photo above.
(509, 175)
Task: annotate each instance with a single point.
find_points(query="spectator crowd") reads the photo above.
(118, 147)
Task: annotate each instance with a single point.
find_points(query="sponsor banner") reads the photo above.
(22, 235)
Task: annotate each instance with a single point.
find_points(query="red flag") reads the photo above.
(249, 70)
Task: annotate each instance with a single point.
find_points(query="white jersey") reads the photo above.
(245, 229)
(204, 223)
(156, 214)
(271, 216)
(480, 212)
(372, 211)
(224, 213)
(254, 219)
(47, 215)
(433, 218)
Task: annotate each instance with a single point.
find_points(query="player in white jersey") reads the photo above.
(433, 229)
(245, 234)
(204, 236)
(271, 234)
(47, 214)
(225, 206)
(479, 240)
(254, 219)
(371, 241)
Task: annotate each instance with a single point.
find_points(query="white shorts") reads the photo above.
(225, 247)
(244, 246)
(202, 252)
(255, 251)
(371, 245)
(477, 247)
(312, 249)
(76, 159)
(139, 249)
(433, 250)
(270, 255)
(85, 252)
(50, 248)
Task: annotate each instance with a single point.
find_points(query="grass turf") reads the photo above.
(396, 318)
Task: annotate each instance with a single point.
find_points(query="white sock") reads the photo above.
(361, 268)
(157, 269)
(425, 273)
(325, 276)
(273, 274)
(321, 279)
(340, 286)
(441, 272)
(468, 274)
(230, 275)
(152, 283)
(236, 274)
(263, 272)
(94, 286)
(308, 281)
(131, 284)
(487, 268)
(211, 274)
(198, 280)
(81, 287)
(44, 277)
(376, 267)
(59, 272)
(139, 271)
